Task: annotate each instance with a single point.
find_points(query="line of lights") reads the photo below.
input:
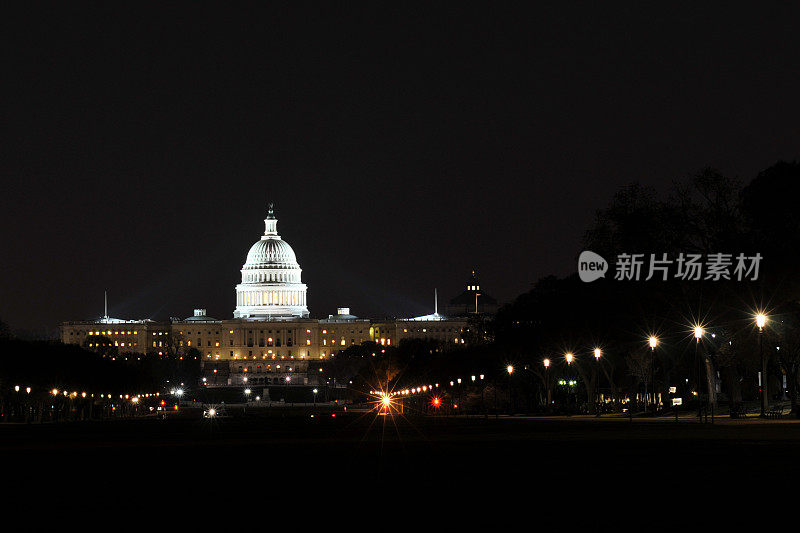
(55, 392)
(424, 388)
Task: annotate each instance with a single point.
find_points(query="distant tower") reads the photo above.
(473, 300)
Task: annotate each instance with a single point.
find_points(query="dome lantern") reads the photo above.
(271, 224)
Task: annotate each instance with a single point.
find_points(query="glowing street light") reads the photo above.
(510, 370)
(598, 353)
(653, 342)
(569, 357)
(698, 335)
(761, 321)
(546, 364)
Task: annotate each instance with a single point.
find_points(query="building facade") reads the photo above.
(270, 340)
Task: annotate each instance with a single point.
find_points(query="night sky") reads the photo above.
(402, 146)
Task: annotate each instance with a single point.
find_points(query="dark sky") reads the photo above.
(403, 146)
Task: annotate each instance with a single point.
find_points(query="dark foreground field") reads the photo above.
(548, 463)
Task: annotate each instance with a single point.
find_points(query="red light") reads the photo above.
(455, 406)
(163, 402)
(436, 402)
(176, 407)
(334, 415)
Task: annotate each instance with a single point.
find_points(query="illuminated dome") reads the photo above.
(270, 252)
(271, 285)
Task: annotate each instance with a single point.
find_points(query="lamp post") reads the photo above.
(546, 364)
(315, 391)
(569, 357)
(510, 370)
(598, 353)
(698, 334)
(761, 321)
(653, 341)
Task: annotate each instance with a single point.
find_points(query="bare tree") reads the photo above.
(640, 363)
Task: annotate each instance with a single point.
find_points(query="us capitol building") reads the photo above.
(271, 339)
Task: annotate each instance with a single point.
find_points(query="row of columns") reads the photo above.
(282, 277)
(271, 298)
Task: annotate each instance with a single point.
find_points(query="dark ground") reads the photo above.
(551, 466)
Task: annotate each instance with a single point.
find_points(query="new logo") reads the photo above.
(591, 266)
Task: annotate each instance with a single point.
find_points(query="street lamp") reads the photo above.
(761, 321)
(698, 335)
(598, 353)
(569, 357)
(510, 370)
(546, 364)
(653, 341)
